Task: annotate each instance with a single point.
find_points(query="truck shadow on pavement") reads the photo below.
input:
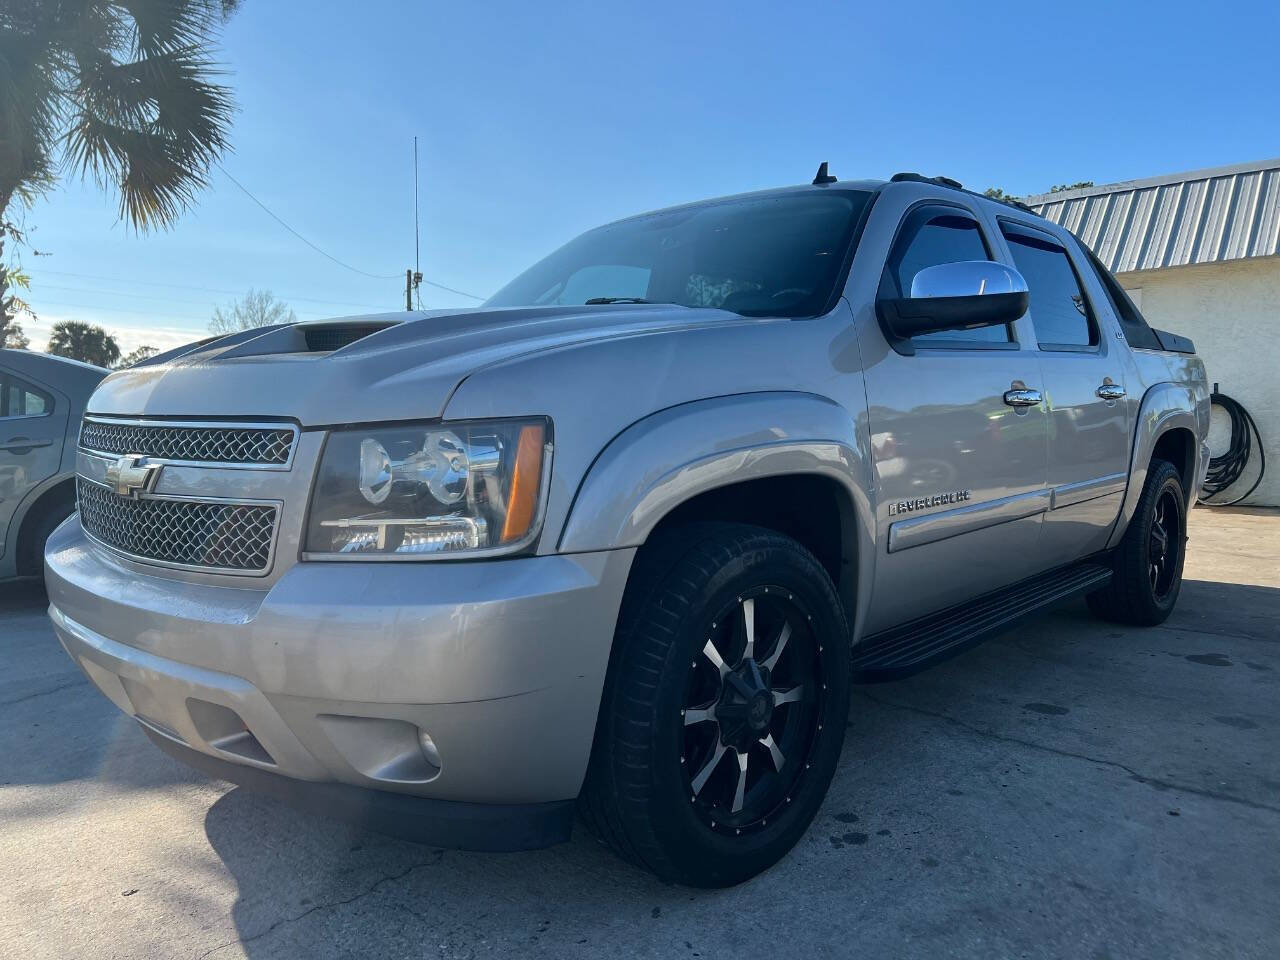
(1050, 792)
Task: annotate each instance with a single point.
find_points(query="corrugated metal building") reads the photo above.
(1200, 255)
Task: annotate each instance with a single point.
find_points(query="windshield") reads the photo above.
(777, 256)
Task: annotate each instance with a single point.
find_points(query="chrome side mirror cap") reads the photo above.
(953, 296)
(966, 278)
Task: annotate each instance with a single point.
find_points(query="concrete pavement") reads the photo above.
(1070, 789)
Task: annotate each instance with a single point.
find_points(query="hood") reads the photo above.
(385, 367)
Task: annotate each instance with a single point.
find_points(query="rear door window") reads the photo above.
(929, 236)
(1060, 314)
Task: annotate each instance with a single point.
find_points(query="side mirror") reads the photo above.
(953, 296)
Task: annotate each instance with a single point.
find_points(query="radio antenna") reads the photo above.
(413, 278)
(416, 264)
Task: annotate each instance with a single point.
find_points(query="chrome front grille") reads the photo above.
(200, 534)
(266, 446)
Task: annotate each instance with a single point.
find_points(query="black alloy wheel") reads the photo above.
(1148, 561)
(725, 705)
(1165, 544)
(751, 709)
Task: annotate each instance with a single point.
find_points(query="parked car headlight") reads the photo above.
(425, 490)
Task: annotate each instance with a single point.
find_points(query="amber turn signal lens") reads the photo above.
(523, 499)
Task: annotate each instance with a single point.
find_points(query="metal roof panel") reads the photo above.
(1206, 216)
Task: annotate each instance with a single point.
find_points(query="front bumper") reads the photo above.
(470, 682)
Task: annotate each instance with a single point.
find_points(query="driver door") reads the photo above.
(961, 474)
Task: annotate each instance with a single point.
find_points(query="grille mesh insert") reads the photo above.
(220, 536)
(257, 445)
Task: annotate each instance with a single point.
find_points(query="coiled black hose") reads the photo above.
(1226, 469)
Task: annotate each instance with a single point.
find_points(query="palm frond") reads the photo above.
(160, 26)
(126, 88)
(29, 114)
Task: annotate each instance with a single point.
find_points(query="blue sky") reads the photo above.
(537, 121)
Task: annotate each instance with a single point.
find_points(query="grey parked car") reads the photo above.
(621, 539)
(42, 399)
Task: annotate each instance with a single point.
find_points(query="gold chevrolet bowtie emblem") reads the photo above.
(132, 475)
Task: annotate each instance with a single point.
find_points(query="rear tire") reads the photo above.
(1148, 561)
(725, 706)
(31, 551)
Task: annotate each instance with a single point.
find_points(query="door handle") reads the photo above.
(1024, 397)
(23, 444)
(1111, 391)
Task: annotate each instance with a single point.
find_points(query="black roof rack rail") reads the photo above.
(957, 185)
(1013, 202)
(920, 178)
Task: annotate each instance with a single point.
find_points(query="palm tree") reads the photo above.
(124, 90)
(83, 342)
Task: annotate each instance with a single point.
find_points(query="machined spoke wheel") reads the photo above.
(1163, 544)
(752, 696)
(724, 707)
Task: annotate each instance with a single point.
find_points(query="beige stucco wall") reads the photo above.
(1232, 312)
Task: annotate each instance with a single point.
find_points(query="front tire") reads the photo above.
(1148, 561)
(725, 706)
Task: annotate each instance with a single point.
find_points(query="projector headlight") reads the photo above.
(422, 491)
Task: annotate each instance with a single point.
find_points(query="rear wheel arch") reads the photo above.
(1167, 426)
(53, 505)
(1177, 445)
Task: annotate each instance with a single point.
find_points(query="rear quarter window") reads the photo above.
(1132, 323)
(21, 399)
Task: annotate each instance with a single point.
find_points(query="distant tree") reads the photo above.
(121, 89)
(83, 342)
(11, 305)
(257, 308)
(995, 193)
(14, 337)
(136, 356)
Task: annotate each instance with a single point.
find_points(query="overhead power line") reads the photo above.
(364, 273)
(267, 210)
(461, 293)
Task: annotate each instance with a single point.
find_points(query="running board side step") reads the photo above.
(901, 651)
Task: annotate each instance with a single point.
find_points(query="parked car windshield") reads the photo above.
(778, 255)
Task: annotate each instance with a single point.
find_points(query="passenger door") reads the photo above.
(32, 425)
(1084, 390)
(960, 471)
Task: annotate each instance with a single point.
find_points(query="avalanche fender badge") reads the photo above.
(924, 503)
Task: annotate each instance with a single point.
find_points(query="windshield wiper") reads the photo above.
(594, 301)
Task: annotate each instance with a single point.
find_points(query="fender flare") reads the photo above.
(668, 457)
(1165, 407)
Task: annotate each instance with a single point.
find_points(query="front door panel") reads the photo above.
(960, 477)
(960, 474)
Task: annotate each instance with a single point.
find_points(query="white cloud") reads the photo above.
(128, 336)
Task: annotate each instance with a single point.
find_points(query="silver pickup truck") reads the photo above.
(620, 540)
